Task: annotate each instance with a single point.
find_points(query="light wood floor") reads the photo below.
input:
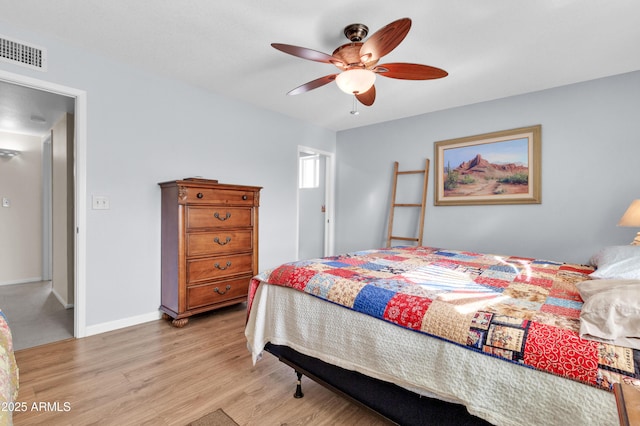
(155, 374)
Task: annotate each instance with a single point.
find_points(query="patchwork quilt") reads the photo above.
(522, 310)
(8, 373)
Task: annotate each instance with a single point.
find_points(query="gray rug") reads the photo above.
(216, 418)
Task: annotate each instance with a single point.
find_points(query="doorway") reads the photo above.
(316, 176)
(74, 191)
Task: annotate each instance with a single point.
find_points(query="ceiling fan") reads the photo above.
(358, 61)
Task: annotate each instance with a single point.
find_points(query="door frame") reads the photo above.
(80, 186)
(47, 209)
(330, 171)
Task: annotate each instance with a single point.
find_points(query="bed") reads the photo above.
(8, 374)
(451, 336)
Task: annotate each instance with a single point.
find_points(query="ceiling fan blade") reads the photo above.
(404, 71)
(367, 98)
(385, 40)
(319, 82)
(304, 53)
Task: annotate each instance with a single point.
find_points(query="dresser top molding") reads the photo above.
(184, 185)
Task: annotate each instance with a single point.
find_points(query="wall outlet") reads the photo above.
(6, 202)
(100, 202)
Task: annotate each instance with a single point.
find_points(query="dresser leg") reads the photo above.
(180, 322)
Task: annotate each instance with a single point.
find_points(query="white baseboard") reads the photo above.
(22, 281)
(90, 330)
(61, 300)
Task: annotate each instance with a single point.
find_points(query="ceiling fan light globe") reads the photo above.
(355, 81)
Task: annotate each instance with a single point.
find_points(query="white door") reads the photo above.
(315, 203)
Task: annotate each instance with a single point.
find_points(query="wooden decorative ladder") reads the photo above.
(422, 205)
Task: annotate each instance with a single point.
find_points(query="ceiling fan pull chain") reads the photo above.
(355, 111)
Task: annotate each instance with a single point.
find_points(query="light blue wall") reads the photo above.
(144, 129)
(590, 164)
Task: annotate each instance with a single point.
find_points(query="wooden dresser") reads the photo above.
(209, 246)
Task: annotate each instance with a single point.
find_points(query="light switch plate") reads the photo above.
(6, 202)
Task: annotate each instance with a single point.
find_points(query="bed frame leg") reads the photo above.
(298, 393)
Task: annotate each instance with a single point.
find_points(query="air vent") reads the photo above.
(21, 53)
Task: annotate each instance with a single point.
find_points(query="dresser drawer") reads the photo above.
(208, 294)
(213, 243)
(208, 269)
(218, 217)
(219, 196)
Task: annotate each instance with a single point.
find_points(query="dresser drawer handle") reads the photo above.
(222, 268)
(217, 240)
(244, 197)
(217, 216)
(199, 195)
(227, 288)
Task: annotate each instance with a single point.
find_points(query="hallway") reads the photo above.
(35, 315)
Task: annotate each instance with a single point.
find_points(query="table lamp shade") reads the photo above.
(631, 218)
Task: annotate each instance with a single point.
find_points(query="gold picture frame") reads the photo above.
(493, 168)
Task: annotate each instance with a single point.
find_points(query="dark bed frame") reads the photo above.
(388, 400)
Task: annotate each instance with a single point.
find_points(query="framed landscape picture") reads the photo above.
(494, 168)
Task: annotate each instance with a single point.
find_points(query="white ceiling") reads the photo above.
(491, 48)
(29, 111)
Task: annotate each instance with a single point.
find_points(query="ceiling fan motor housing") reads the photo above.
(356, 32)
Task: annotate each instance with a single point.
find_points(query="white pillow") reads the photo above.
(617, 262)
(611, 311)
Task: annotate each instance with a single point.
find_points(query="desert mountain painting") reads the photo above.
(492, 168)
(478, 176)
